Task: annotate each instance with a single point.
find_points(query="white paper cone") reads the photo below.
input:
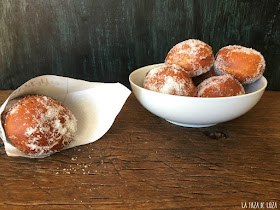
(95, 105)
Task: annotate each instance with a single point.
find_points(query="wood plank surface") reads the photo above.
(105, 40)
(144, 162)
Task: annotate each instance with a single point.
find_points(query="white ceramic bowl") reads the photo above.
(194, 111)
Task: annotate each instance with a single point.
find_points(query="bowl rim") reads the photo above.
(197, 98)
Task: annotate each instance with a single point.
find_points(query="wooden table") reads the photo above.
(144, 162)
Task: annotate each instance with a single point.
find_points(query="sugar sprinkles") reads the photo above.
(48, 120)
(169, 79)
(189, 53)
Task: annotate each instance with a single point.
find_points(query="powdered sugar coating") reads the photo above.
(194, 56)
(39, 125)
(245, 64)
(170, 79)
(220, 86)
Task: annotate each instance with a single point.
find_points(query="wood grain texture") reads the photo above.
(105, 40)
(144, 162)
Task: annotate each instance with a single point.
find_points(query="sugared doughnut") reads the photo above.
(197, 80)
(220, 86)
(245, 64)
(40, 125)
(193, 55)
(170, 79)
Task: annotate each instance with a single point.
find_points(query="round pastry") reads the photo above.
(220, 86)
(170, 79)
(40, 125)
(197, 80)
(193, 55)
(245, 64)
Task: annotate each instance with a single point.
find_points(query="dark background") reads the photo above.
(105, 40)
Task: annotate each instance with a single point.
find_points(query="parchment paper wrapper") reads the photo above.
(94, 104)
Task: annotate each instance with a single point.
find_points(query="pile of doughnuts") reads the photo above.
(190, 69)
(39, 125)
